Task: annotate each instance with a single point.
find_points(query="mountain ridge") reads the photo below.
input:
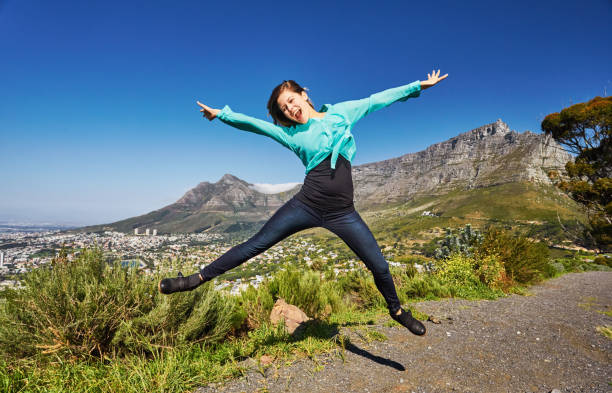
(469, 159)
(488, 155)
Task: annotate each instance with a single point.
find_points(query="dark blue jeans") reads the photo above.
(295, 216)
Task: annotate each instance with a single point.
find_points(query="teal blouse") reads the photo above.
(314, 140)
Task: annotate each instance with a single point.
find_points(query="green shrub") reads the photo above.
(467, 276)
(603, 260)
(570, 264)
(358, 288)
(429, 249)
(595, 267)
(87, 307)
(73, 308)
(525, 261)
(552, 269)
(558, 267)
(256, 303)
(427, 286)
(491, 271)
(457, 269)
(203, 315)
(462, 242)
(306, 290)
(411, 270)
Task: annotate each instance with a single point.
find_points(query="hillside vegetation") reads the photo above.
(86, 325)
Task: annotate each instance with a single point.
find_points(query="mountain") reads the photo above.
(229, 205)
(485, 158)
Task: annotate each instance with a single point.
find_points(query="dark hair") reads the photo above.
(273, 108)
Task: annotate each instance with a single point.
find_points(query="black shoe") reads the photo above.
(406, 319)
(180, 283)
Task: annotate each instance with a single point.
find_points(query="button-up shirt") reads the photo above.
(315, 139)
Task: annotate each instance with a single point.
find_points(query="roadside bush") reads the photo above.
(467, 276)
(457, 269)
(558, 268)
(602, 260)
(552, 269)
(458, 275)
(411, 270)
(491, 272)
(88, 308)
(203, 315)
(525, 261)
(306, 290)
(358, 288)
(256, 304)
(570, 264)
(427, 286)
(595, 267)
(71, 307)
(302, 288)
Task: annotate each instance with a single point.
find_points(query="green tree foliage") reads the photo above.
(585, 129)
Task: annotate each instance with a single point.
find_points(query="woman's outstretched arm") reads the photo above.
(247, 123)
(357, 109)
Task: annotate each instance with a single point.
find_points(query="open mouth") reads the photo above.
(297, 113)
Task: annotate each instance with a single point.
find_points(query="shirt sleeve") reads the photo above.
(357, 109)
(251, 124)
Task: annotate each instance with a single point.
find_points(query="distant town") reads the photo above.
(144, 249)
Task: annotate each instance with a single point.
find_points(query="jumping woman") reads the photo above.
(324, 143)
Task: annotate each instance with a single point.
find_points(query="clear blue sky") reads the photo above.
(98, 120)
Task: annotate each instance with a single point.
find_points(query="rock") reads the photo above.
(555, 391)
(434, 320)
(290, 314)
(266, 359)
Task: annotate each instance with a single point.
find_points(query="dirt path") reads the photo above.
(516, 344)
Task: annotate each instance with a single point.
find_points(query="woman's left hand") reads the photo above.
(432, 79)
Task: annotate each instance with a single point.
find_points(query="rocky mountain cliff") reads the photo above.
(486, 156)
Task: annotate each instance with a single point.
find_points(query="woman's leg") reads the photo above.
(287, 220)
(356, 234)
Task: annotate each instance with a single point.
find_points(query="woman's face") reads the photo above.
(294, 106)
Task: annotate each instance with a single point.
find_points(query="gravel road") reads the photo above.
(534, 343)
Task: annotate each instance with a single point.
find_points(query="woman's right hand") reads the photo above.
(432, 79)
(208, 112)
